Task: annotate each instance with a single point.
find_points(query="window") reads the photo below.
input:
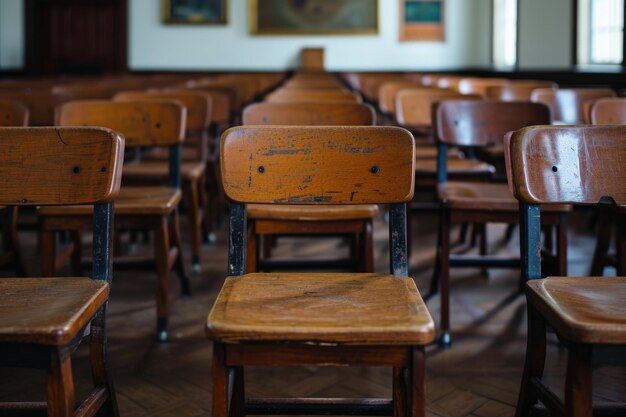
(600, 31)
(504, 33)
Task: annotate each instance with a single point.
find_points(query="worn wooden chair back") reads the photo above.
(553, 165)
(295, 96)
(51, 166)
(13, 113)
(310, 114)
(569, 106)
(388, 91)
(516, 90)
(608, 111)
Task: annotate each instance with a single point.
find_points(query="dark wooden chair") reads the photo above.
(610, 219)
(44, 319)
(476, 124)
(299, 96)
(567, 165)
(518, 90)
(148, 208)
(192, 169)
(570, 105)
(366, 319)
(270, 221)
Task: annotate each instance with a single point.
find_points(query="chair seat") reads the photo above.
(456, 167)
(582, 310)
(485, 196)
(49, 311)
(130, 201)
(311, 213)
(155, 171)
(320, 308)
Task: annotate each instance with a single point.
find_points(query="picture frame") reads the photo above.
(422, 20)
(195, 12)
(313, 17)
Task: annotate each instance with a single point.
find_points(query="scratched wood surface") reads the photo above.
(88, 159)
(143, 123)
(478, 377)
(318, 165)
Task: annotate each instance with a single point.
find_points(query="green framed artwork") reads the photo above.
(194, 11)
(313, 17)
(422, 20)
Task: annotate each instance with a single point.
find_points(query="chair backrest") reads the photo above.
(387, 94)
(479, 86)
(562, 164)
(483, 123)
(220, 103)
(58, 166)
(516, 90)
(318, 165)
(41, 105)
(414, 105)
(608, 111)
(294, 96)
(13, 113)
(568, 105)
(310, 114)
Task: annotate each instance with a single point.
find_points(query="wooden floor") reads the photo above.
(478, 376)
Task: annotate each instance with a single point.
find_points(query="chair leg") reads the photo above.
(77, 253)
(220, 381)
(578, 398)
(603, 239)
(561, 245)
(444, 272)
(100, 363)
(179, 263)
(481, 231)
(238, 400)
(161, 256)
(252, 254)
(368, 247)
(620, 244)
(10, 239)
(60, 384)
(190, 191)
(418, 375)
(47, 247)
(535, 361)
(399, 393)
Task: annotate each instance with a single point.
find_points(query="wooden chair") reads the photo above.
(567, 165)
(387, 93)
(41, 105)
(192, 169)
(12, 114)
(610, 219)
(478, 86)
(355, 221)
(299, 96)
(569, 105)
(318, 319)
(152, 208)
(478, 123)
(44, 319)
(520, 90)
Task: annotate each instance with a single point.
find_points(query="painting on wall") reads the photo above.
(194, 11)
(422, 20)
(313, 17)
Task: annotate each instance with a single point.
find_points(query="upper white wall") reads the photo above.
(153, 45)
(11, 34)
(545, 35)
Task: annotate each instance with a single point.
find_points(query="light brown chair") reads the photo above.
(482, 123)
(150, 208)
(44, 319)
(309, 319)
(567, 165)
(478, 86)
(299, 96)
(570, 105)
(355, 221)
(192, 170)
(387, 95)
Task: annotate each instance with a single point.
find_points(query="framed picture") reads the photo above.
(313, 17)
(422, 20)
(194, 11)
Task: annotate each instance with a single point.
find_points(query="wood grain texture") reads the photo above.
(143, 123)
(576, 164)
(13, 113)
(318, 165)
(582, 309)
(310, 114)
(482, 123)
(414, 105)
(304, 213)
(57, 308)
(197, 103)
(608, 111)
(42, 166)
(320, 308)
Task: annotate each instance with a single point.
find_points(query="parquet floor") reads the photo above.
(478, 376)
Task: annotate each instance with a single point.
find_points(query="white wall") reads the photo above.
(545, 34)
(11, 34)
(153, 45)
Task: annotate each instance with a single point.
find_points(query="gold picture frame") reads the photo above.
(422, 20)
(314, 17)
(195, 12)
